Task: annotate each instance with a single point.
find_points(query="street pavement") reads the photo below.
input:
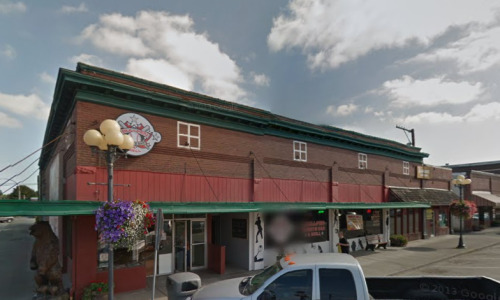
(437, 256)
(16, 277)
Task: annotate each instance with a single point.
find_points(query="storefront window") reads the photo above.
(405, 221)
(360, 222)
(417, 220)
(410, 223)
(142, 252)
(294, 228)
(443, 220)
(393, 222)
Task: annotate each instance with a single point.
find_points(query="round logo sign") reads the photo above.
(141, 131)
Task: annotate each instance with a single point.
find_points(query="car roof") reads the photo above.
(318, 259)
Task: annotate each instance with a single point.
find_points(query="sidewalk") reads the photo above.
(391, 262)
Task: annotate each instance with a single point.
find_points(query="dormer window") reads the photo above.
(299, 151)
(362, 161)
(188, 136)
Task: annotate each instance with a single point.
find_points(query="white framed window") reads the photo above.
(188, 136)
(362, 161)
(406, 168)
(299, 151)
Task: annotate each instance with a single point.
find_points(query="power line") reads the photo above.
(29, 155)
(19, 183)
(268, 174)
(20, 172)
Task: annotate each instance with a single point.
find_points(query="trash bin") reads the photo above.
(182, 285)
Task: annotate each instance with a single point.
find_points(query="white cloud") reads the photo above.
(333, 32)
(161, 71)
(429, 92)
(342, 110)
(484, 112)
(261, 79)
(8, 52)
(478, 51)
(171, 41)
(7, 121)
(429, 118)
(10, 7)
(27, 106)
(66, 9)
(86, 58)
(45, 77)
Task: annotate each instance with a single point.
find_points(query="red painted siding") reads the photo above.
(163, 187)
(360, 193)
(149, 186)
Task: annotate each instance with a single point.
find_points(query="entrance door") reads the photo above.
(190, 244)
(181, 246)
(429, 222)
(198, 244)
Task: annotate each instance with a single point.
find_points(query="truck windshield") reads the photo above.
(257, 280)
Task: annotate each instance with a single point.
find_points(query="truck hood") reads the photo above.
(225, 289)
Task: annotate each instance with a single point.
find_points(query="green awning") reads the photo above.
(72, 207)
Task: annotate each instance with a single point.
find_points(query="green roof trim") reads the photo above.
(75, 86)
(73, 207)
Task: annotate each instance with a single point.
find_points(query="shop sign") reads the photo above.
(424, 172)
(354, 222)
(429, 214)
(141, 131)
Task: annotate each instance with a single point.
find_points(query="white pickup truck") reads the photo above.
(330, 276)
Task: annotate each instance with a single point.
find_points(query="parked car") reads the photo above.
(339, 276)
(6, 219)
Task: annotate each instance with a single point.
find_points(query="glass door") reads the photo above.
(180, 245)
(198, 244)
(165, 251)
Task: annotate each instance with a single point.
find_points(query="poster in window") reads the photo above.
(354, 222)
(239, 228)
(375, 218)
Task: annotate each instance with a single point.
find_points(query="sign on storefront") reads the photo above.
(141, 131)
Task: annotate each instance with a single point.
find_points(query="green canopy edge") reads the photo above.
(76, 207)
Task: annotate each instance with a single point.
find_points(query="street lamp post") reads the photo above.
(109, 139)
(461, 181)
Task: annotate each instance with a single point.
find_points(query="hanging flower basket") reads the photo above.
(123, 223)
(464, 208)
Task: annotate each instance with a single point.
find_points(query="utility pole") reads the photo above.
(411, 131)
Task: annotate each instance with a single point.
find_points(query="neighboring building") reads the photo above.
(238, 185)
(484, 190)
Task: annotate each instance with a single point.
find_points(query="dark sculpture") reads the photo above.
(45, 259)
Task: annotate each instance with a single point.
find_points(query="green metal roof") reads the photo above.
(72, 207)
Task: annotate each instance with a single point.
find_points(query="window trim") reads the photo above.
(299, 151)
(406, 168)
(362, 159)
(188, 135)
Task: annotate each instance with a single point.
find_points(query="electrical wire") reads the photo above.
(29, 155)
(268, 174)
(19, 183)
(202, 172)
(20, 172)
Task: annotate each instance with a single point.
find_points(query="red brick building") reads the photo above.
(236, 183)
(484, 190)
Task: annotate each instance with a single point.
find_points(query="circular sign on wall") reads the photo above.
(141, 131)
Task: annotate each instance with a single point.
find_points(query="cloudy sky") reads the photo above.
(428, 65)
